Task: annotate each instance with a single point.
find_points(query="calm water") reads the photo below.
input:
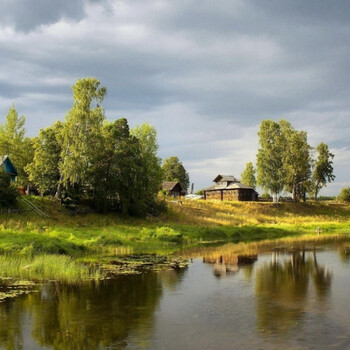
(278, 299)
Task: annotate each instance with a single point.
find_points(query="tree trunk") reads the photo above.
(59, 189)
(294, 193)
(316, 190)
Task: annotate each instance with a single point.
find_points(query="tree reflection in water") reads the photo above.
(282, 288)
(87, 317)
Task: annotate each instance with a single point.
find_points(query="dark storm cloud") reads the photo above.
(214, 70)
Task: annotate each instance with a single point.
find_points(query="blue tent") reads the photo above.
(9, 168)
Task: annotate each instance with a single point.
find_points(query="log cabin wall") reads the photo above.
(213, 195)
(230, 195)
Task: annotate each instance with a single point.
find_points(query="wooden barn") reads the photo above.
(174, 188)
(228, 188)
(8, 167)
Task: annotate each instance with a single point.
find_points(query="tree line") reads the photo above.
(287, 163)
(88, 159)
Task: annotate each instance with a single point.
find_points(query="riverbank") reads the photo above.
(68, 247)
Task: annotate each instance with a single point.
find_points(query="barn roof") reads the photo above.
(9, 167)
(231, 186)
(225, 178)
(169, 185)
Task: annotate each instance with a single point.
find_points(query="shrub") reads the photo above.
(344, 195)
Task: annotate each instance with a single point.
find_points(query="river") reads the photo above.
(276, 297)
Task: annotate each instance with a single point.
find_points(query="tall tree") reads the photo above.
(173, 170)
(248, 175)
(43, 171)
(323, 168)
(151, 163)
(15, 144)
(270, 170)
(125, 168)
(82, 133)
(296, 159)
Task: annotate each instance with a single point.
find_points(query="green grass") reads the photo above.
(63, 238)
(47, 267)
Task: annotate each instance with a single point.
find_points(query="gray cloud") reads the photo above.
(26, 17)
(212, 71)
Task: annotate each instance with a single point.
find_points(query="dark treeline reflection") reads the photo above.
(86, 317)
(286, 286)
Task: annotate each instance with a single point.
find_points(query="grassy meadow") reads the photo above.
(62, 245)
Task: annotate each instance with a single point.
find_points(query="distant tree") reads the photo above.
(15, 144)
(248, 175)
(323, 168)
(8, 193)
(44, 169)
(270, 170)
(296, 160)
(344, 195)
(173, 170)
(283, 159)
(82, 133)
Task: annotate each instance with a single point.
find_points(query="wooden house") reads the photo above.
(8, 167)
(228, 188)
(174, 188)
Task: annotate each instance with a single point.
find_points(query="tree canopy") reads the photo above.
(284, 161)
(87, 159)
(323, 168)
(173, 170)
(15, 144)
(248, 175)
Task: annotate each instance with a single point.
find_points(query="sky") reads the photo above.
(204, 73)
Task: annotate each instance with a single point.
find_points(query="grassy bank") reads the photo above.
(64, 238)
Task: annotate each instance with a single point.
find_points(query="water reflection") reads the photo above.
(344, 252)
(88, 317)
(276, 298)
(229, 264)
(282, 289)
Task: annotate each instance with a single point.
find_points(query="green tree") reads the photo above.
(296, 160)
(248, 175)
(119, 171)
(173, 170)
(344, 195)
(82, 133)
(15, 144)
(270, 170)
(122, 177)
(323, 168)
(151, 163)
(43, 171)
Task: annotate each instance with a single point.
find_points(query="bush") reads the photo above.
(344, 195)
(167, 234)
(8, 193)
(265, 195)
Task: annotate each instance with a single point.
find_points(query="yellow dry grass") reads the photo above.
(214, 213)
